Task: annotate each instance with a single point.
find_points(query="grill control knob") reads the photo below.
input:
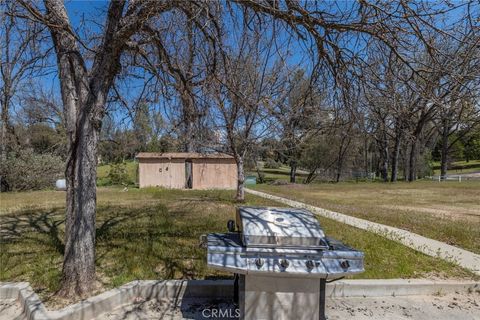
(259, 262)
(345, 264)
(284, 263)
(309, 264)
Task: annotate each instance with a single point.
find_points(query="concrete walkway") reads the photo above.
(434, 248)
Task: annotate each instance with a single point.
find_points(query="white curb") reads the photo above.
(434, 248)
(398, 287)
(33, 307)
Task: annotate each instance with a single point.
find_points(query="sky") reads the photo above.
(80, 12)
(92, 14)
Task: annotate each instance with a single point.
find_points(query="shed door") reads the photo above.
(188, 174)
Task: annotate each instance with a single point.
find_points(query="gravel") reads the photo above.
(452, 306)
(10, 309)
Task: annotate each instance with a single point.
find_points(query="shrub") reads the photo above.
(27, 170)
(272, 164)
(425, 165)
(261, 177)
(118, 174)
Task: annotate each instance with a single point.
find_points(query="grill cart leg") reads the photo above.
(321, 306)
(235, 288)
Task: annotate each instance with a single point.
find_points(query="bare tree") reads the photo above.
(456, 92)
(384, 105)
(20, 58)
(182, 61)
(245, 87)
(297, 115)
(84, 91)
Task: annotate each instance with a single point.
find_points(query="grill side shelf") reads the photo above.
(334, 244)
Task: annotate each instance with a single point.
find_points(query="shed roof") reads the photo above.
(182, 155)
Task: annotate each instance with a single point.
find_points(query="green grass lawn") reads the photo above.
(154, 234)
(283, 173)
(104, 169)
(446, 211)
(459, 167)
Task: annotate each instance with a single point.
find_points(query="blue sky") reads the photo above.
(81, 14)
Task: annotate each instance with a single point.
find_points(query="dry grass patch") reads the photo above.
(447, 211)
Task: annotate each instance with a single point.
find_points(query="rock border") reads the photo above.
(34, 309)
(431, 247)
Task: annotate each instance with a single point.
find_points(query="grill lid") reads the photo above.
(279, 227)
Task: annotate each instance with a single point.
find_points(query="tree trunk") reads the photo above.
(412, 161)
(3, 157)
(344, 144)
(384, 169)
(261, 176)
(339, 172)
(188, 133)
(339, 168)
(189, 119)
(83, 97)
(190, 138)
(293, 171)
(395, 157)
(84, 93)
(5, 129)
(5, 123)
(188, 97)
(311, 176)
(240, 196)
(384, 159)
(365, 154)
(424, 118)
(81, 173)
(444, 153)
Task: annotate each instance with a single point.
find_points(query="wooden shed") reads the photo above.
(187, 170)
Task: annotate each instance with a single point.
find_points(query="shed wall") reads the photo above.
(162, 173)
(214, 174)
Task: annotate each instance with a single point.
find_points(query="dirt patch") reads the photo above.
(54, 302)
(169, 309)
(454, 306)
(443, 307)
(297, 186)
(412, 192)
(10, 309)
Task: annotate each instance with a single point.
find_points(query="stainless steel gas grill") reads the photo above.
(276, 255)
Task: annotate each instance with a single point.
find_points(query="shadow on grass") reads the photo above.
(28, 225)
(148, 242)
